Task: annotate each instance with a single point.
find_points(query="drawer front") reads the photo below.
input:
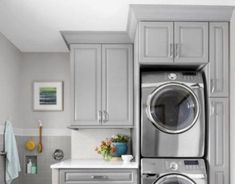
(95, 176)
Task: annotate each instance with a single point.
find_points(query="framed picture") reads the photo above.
(48, 96)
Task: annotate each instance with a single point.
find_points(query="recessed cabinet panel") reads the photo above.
(218, 153)
(87, 80)
(217, 69)
(156, 42)
(117, 83)
(191, 42)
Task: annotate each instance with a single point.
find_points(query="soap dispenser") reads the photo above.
(29, 167)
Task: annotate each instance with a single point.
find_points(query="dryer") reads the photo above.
(177, 171)
(172, 114)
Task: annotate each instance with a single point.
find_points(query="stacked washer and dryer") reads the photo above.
(173, 130)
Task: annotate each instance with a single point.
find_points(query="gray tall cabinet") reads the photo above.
(102, 85)
(217, 73)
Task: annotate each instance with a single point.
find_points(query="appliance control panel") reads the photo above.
(187, 165)
(193, 166)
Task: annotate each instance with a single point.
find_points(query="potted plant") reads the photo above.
(120, 143)
(106, 149)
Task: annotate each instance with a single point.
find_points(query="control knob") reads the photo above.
(173, 166)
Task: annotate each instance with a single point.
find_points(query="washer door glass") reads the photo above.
(173, 108)
(174, 179)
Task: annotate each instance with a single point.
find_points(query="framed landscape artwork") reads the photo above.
(48, 96)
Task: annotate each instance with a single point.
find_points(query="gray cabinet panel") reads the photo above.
(218, 153)
(98, 176)
(191, 42)
(156, 42)
(86, 67)
(218, 67)
(117, 84)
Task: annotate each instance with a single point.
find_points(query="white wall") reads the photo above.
(44, 67)
(84, 141)
(232, 100)
(10, 58)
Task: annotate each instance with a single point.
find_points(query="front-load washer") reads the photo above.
(172, 114)
(177, 171)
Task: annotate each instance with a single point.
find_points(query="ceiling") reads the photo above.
(35, 25)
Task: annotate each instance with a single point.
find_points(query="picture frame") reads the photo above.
(48, 95)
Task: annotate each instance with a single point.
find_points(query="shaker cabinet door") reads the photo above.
(156, 42)
(218, 68)
(218, 152)
(86, 73)
(117, 84)
(191, 43)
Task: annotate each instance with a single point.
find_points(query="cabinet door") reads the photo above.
(191, 43)
(217, 69)
(156, 42)
(86, 72)
(218, 153)
(117, 84)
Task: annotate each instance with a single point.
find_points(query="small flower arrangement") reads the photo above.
(106, 149)
(120, 138)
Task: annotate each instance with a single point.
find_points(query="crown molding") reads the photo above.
(139, 13)
(76, 37)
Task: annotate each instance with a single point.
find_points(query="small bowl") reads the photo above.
(127, 158)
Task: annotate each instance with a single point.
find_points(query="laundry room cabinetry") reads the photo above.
(217, 74)
(173, 43)
(217, 70)
(102, 85)
(218, 152)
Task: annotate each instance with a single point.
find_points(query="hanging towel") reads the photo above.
(12, 158)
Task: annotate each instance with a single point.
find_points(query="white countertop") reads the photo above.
(94, 163)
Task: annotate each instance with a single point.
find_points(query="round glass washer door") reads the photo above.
(173, 108)
(174, 179)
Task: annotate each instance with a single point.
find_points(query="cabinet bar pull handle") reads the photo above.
(212, 86)
(171, 50)
(177, 47)
(99, 177)
(212, 109)
(100, 116)
(106, 116)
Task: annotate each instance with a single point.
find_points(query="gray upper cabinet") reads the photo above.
(117, 84)
(218, 153)
(173, 43)
(102, 80)
(86, 80)
(156, 42)
(191, 42)
(217, 70)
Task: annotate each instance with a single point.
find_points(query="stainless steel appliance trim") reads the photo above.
(148, 110)
(190, 84)
(173, 175)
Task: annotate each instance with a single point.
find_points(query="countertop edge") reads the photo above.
(94, 164)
